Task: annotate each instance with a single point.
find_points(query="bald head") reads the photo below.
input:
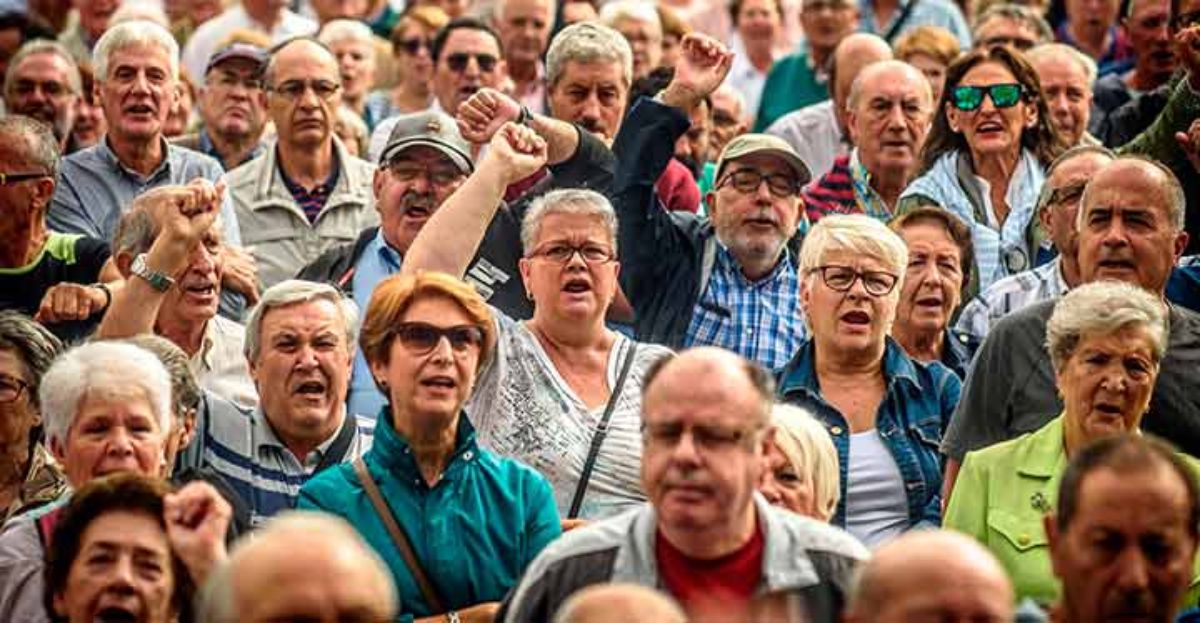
(629, 603)
(714, 375)
(931, 575)
(854, 53)
(268, 578)
(883, 74)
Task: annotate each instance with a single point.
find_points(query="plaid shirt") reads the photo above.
(760, 320)
(1011, 294)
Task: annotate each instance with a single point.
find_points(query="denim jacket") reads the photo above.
(914, 413)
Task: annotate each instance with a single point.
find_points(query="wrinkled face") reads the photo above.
(1127, 553)
(1092, 15)
(1005, 31)
(826, 22)
(232, 102)
(890, 121)
(934, 70)
(138, 93)
(759, 20)
(702, 450)
(303, 95)
(577, 288)
(592, 95)
(692, 148)
(356, 62)
(303, 369)
(434, 384)
(1125, 232)
(524, 28)
(22, 203)
(575, 12)
(1068, 95)
(1107, 382)
(19, 415)
(786, 485)
(988, 130)
(122, 572)
(754, 224)
(40, 90)
(727, 122)
(645, 40)
(470, 60)
(410, 189)
(95, 15)
(1148, 26)
(111, 434)
(1066, 184)
(855, 320)
(197, 291)
(933, 280)
(414, 54)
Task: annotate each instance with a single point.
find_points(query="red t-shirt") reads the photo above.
(725, 584)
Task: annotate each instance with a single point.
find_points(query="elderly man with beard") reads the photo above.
(43, 82)
(232, 106)
(889, 110)
(730, 281)
(168, 248)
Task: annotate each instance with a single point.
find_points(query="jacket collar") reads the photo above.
(1043, 455)
(801, 374)
(271, 192)
(392, 451)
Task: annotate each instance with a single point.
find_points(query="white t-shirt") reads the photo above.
(522, 408)
(876, 500)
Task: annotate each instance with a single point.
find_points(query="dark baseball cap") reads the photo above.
(429, 129)
(245, 51)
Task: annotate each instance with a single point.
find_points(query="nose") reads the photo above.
(120, 444)
(685, 452)
(442, 351)
(1115, 235)
(306, 357)
(141, 84)
(769, 488)
(591, 107)
(1134, 570)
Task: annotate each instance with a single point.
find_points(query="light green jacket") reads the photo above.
(999, 498)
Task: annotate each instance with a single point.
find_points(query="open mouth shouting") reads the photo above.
(313, 389)
(856, 320)
(115, 614)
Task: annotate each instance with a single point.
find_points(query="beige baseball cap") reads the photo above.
(748, 144)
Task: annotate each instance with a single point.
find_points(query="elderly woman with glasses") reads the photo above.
(1105, 341)
(885, 412)
(562, 392)
(469, 520)
(985, 156)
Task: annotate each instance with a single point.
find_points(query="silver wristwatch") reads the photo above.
(159, 281)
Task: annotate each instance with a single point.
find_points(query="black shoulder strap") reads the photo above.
(601, 432)
(337, 450)
(898, 25)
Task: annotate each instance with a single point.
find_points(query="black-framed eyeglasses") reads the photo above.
(842, 278)
(711, 438)
(563, 253)
(414, 45)
(1069, 193)
(294, 89)
(11, 388)
(16, 178)
(421, 337)
(968, 98)
(1185, 20)
(748, 180)
(457, 62)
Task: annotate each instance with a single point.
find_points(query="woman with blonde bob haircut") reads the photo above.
(474, 520)
(802, 464)
(885, 411)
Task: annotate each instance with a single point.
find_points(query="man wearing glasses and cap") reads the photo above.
(232, 106)
(308, 193)
(728, 280)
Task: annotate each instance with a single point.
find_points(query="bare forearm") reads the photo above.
(450, 238)
(133, 310)
(562, 138)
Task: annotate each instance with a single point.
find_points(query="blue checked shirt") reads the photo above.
(760, 320)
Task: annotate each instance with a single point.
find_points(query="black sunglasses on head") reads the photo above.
(458, 61)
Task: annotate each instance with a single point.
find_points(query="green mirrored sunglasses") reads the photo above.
(970, 98)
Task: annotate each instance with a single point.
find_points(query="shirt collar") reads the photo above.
(328, 185)
(384, 251)
(110, 156)
(394, 453)
(729, 264)
(265, 437)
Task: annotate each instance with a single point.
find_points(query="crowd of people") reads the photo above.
(582, 311)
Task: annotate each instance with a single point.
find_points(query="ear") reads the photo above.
(59, 452)
(952, 118)
(1031, 112)
(377, 186)
(188, 430)
(851, 120)
(379, 370)
(60, 604)
(43, 191)
(1045, 221)
(805, 295)
(524, 266)
(710, 203)
(1181, 241)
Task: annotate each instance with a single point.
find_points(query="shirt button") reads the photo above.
(468, 455)
(1023, 540)
(836, 430)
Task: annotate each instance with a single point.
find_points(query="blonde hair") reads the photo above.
(804, 442)
(932, 41)
(858, 233)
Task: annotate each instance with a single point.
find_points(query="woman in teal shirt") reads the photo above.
(474, 520)
(1105, 341)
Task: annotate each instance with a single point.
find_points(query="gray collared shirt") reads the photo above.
(95, 189)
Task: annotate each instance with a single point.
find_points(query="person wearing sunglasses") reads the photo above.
(885, 411)
(411, 41)
(307, 193)
(1057, 206)
(472, 519)
(553, 377)
(985, 156)
(466, 57)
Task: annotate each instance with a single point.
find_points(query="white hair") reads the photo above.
(294, 292)
(104, 369)
(131, 11)
(635, 10)
(347, 30)
(134, 33)
(576, 201)
(584, 43)
(216, 602)
(1103, 308)
(43, 46)
(857, 233)
(892, 67)
(1046, 51)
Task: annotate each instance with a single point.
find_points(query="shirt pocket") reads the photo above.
(1021, 533)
